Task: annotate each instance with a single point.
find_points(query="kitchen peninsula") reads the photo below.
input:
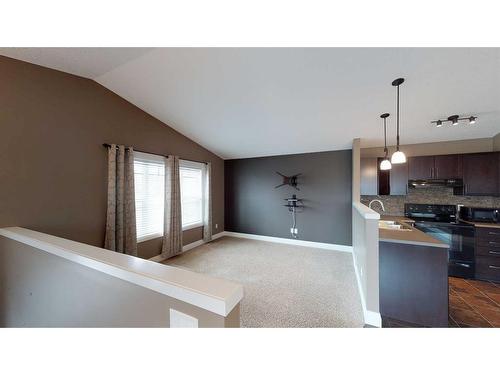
(413, 274)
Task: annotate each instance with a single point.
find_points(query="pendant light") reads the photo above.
(398, 157)
(385, 164)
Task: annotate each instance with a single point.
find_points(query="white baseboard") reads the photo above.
(158, 258)
(192, 245)
(218, 235)
(371, 317)
(290, 241)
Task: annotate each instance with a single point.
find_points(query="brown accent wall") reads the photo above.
(53, 164)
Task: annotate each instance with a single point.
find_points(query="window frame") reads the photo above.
(188, 164)
(146, 157)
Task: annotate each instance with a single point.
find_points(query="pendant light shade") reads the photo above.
(385, 164)
(398, 157)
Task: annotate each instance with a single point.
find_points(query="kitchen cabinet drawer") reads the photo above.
(493, 244)
(487, 251)
(487, 234)
(488, 268)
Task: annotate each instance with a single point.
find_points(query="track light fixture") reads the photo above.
(454, 120)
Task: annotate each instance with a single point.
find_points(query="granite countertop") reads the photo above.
(412, 236)
(482, 225)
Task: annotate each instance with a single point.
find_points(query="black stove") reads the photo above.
(441, 222)
(443, 213)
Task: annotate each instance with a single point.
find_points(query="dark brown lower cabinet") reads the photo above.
(488, 254)
(414, 283)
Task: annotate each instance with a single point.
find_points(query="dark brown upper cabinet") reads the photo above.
(434, 167)
(481, 173)
(369, 174)
(377, 182)
(399, 179)
(447, 166)
(420, 167)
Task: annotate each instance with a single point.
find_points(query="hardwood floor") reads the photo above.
(472, 303)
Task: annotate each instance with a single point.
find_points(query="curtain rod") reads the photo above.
(107, 145)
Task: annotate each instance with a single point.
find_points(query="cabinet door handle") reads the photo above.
(494, 267)
(494, 252)
(494, 233)
(493, 243)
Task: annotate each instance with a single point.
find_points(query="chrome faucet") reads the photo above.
(379, 201)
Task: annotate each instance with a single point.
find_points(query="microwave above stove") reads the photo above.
(485, 215)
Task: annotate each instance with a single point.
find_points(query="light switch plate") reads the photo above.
(181, 320)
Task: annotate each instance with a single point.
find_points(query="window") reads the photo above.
(149, 179)
(192, 178)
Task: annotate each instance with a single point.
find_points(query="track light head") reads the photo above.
(472, 120)
(439, 123)
(453, 119)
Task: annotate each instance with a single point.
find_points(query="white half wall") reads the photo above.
(49, 281)
(365, 245)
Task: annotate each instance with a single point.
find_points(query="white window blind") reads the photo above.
(149, 179)
(192, 179)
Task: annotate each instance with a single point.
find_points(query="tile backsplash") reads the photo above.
(394, 204)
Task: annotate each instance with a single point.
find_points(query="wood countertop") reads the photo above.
(412, 236)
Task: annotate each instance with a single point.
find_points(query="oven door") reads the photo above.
(460, 239)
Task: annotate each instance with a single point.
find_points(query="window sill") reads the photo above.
(149, 237)
(159, 235)
(192, 226)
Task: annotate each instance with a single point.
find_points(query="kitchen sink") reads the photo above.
(389, 224)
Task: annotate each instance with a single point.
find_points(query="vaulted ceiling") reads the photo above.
(247, 102)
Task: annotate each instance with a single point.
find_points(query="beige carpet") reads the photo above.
(284, 285)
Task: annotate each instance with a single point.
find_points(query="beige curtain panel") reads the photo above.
(120, 221)
(207, 220)
(172, 236)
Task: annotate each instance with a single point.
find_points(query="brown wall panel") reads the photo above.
(52, 162)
